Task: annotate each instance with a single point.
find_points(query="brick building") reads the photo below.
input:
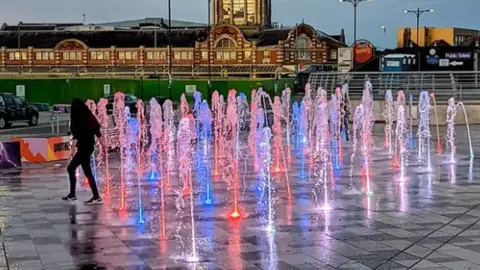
(241, 42)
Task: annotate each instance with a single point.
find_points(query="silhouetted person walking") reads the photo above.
(84, 127)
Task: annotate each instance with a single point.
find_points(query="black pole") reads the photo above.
(18, 40)
(418, 27)
(170, 49)
(209, 29)
(354, 30)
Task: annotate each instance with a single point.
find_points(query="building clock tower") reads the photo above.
(242, 12)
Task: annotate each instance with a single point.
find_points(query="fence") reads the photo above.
(188, 71)
(62, 91)
(461, 85)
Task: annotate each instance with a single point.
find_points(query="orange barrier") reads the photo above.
(44, 149)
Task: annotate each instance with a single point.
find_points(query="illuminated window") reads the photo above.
(134, 55)
(184, 55)
(128, 55)
(51, 56)
(163, 55)
(11, 56)
(149, 55)
(302, 48)
(73, 56)
(46, 56)
(176, 55)
(266, 54)
(121, 55)
(100, 55)
(93, 55)
(204, 55)
(65, 56)
(106, 55)
(247, 54)
(190, 55)
(24, 56)
(38, 56)
(333, 55)
(226, 49)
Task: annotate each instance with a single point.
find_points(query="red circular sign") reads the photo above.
(362, 51)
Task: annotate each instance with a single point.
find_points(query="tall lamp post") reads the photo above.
(208, 46)
(355, 5)
(170, 49)
(418, 12)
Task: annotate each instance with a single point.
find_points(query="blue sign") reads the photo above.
(432, 60)
(458, 55)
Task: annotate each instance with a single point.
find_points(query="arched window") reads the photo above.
(302, 46)
(226, 49)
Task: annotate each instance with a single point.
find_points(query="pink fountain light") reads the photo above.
(185, 150)
(231, 128)
(184, 109)
(168, 140)
(102, 117)
(120, 124)
(277, 133)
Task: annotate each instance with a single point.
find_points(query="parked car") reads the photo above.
(130, 101)
(13, 109)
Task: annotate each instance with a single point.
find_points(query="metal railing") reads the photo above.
(55, 122)
(460, 85)
(145, 70)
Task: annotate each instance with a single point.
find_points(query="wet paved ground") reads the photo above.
(428, 221)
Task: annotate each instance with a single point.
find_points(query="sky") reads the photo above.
(329, 16)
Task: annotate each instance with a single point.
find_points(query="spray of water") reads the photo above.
(120, 125)
(423, 133)
(168, 140)
(205, 134)
(468, 128)
(277, 133)
(267, 189)
(321, 156)
(450, 136)
(388, 115)
(103, 153)
(141, 143)
(358, 122)
(231, 129)
(335, 131)
(401, 131)
(185, 150)
(286, 97)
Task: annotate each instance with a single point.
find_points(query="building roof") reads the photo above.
(152, 21)
(269, 37)
(36, 26)
(102, 39)
(134, 38)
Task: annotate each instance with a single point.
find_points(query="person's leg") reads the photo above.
(346, 128)
(87, 170)
(72, 170)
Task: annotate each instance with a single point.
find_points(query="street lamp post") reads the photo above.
(418, 12)
(208, 45)
(355, 5)
(384, 28)
(209, 29)
(170, 49)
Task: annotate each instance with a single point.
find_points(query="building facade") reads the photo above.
(432, 36)
(231, 47)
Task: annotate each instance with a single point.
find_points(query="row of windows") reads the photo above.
(221, 54)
